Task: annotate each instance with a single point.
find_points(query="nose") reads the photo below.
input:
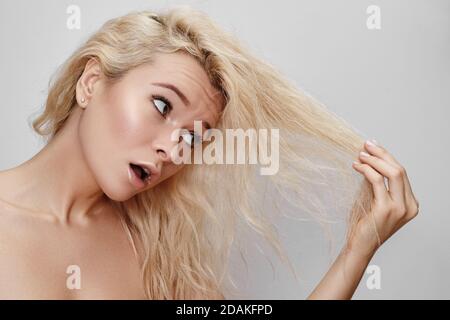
(164, 155)
(165, 146)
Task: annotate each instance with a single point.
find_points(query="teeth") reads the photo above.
(142, 173)
(146, 174)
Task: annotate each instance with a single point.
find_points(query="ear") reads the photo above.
(86, 83)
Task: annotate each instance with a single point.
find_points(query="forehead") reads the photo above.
(186, 74)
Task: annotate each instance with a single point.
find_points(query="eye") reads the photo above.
(191, 138)
(162, 105)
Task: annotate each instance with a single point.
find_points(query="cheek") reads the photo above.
(173, 169)
(127, 121)
(111, 130)
(170, 170)
(112, 123)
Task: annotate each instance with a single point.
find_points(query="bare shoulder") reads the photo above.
(25, 264)
(13, 252)
(8, 210)
(15, 230)
(19, 248)
(13, 216)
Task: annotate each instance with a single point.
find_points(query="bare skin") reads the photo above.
(393, 206)
(54, 208)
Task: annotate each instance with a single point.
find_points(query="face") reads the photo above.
(126, 127)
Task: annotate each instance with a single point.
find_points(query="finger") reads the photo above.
(394, 175)
(375, 178)
(380, 152)
(412, 205)
(408, 186)
(376, 149)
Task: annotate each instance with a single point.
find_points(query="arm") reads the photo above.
(392, 207)
(342, 279)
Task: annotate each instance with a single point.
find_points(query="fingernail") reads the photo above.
(364, 154)
(371, 143)
(375, 142)
(356, 163)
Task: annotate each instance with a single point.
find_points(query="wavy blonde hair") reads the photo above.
(186, 225)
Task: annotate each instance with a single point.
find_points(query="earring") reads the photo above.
(82, 101)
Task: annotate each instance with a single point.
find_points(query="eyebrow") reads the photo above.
(181, 96)
(174, 89)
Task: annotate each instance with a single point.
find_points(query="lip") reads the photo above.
(136, 181)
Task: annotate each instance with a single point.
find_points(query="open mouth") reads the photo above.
(141, 172)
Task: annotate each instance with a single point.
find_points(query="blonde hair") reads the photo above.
(187, 223)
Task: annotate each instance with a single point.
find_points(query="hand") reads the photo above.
(393, 205)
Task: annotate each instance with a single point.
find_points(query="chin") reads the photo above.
(119, 197)
(117, 192)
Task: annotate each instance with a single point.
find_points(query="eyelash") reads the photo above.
(169, 106)
(163, 99)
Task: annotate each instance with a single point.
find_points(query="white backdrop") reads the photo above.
(392, 84)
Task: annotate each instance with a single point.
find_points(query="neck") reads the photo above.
(57, 181)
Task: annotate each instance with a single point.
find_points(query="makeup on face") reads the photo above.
(142, 174)
(129, 123)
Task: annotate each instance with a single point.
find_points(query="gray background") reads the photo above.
(391, 84)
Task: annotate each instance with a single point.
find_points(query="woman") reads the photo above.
(104, 211)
